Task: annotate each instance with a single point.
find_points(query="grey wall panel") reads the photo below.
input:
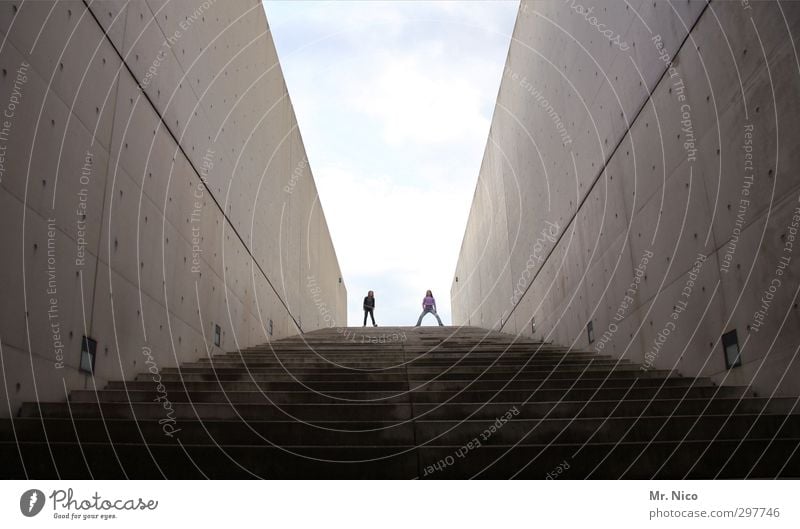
(644, 169)
(181, 110)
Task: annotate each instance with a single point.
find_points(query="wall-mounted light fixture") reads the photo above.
(217, 335)
(730, 344)
(88, 350)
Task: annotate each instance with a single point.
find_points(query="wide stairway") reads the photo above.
(433, 402)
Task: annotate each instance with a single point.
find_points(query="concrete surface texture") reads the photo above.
(154, 186)
(641, 178)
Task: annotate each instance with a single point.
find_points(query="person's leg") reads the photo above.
(371, 315)
(419, 321)
(365, 317)
(438, 319)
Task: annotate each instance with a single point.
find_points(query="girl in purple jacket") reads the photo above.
(429, 305)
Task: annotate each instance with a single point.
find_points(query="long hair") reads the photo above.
(429, 293)
(370, 294)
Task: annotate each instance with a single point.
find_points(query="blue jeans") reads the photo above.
(429, 310)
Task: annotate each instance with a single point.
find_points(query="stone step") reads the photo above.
(410, 368)
(413, 376)
(418, 366)
(396, 360)
(159, 461)
(520, 382)
(176, 393)
(373, 352)
(403, 433)
(230, 432)
(387, 351)
(434, 362)
(755, 458)
(606, 429)
(399, 411)
(396, 340)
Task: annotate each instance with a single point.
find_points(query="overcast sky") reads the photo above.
(394, 102)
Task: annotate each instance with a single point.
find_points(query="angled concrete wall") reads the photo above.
(641, 175)
(154, 185)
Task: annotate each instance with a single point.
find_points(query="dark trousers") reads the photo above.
(369, 311)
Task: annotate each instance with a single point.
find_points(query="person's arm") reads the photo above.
(434, 304)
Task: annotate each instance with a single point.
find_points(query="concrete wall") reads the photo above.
(154, 184)
(655, 200)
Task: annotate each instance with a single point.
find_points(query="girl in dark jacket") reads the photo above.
(369, 306)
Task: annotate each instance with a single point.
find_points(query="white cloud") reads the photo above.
(419, 100)
(396, 239)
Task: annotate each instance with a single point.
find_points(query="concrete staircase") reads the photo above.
(433, 402)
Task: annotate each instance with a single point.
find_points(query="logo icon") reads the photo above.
(31, 502)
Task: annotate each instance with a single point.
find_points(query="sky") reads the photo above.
(394, 102)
